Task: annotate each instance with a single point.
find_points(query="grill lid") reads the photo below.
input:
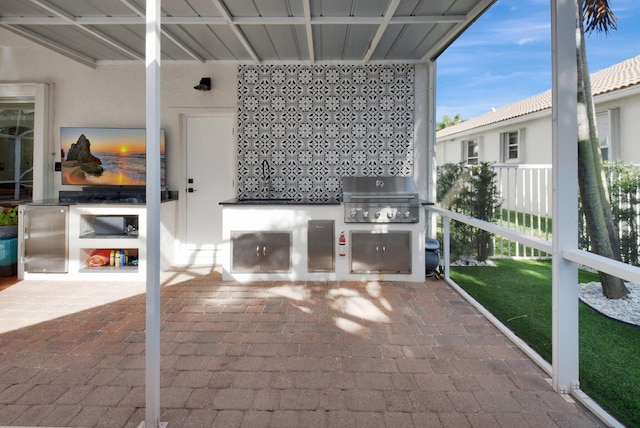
(360, 189)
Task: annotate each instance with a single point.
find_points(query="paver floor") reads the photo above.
(278, 354)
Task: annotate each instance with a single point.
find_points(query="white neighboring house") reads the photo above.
(519, 136)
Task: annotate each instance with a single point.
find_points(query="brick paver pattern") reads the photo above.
(281, 354)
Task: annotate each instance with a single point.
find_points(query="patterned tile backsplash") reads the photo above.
(302, 128)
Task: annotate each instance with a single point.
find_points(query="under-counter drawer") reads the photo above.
(320, 246)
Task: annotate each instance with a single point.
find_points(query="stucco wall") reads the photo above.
(113, 95)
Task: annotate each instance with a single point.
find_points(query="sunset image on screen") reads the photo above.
(104, 156)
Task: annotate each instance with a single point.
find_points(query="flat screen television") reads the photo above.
(107, 156)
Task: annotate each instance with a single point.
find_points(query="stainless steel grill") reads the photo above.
(380, 200)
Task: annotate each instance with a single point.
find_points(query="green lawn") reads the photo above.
(527, 221)
(518, 293)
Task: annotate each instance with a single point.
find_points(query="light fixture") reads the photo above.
(204, 85)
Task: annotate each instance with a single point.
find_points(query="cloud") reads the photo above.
(505, 56)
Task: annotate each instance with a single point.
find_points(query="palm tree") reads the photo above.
(595, 15)
(447, 121)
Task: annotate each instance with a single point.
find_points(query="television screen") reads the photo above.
(107, 156)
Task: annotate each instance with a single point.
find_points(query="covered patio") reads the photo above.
(270, 355)
(280, 354)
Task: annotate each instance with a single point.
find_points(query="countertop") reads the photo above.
(96, 200)
(277, 201)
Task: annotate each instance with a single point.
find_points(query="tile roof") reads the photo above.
(618, 76)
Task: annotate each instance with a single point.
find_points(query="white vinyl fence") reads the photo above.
(526, 207)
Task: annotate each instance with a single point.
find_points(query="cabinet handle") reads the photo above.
(264, 250)
(377, 249)
(384, 249)
(258, 251)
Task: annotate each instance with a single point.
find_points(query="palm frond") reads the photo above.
(597, 15)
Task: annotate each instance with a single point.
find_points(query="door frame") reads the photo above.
(44, 154)
(183, 250)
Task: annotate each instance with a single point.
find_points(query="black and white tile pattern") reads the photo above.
(302, 128)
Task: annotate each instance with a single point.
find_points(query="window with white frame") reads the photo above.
(512, 146)
(471, 152)
(607, 125)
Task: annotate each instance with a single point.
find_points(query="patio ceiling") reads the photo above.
(246, 31)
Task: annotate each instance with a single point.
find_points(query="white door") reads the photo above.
(210, 177)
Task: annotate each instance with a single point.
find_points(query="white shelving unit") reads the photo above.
(83, 241)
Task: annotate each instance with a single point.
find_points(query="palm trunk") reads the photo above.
(593, 189)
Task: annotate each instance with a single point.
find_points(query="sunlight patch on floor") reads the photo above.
(352, 303)
(350, 326)
(293, 292)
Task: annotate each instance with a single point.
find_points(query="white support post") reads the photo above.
(421, 130)
(432, 168)
(446, 237)
(152, 66)
(565, 191)
(43, 151)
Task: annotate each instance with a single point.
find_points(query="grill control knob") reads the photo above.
(353, 213)
(389, 214)
(365, 214)
(407, 214)
(377, 214)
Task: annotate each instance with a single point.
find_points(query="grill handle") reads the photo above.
(368, 197)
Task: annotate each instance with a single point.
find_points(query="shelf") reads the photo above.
(85, 253)
(120, 236)
(108, 226)
(109, 269)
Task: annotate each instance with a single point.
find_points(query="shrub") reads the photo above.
(9, 216)
(470, 190)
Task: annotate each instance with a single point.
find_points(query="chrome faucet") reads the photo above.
(266, 177)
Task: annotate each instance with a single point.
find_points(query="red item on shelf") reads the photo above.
(99, 258)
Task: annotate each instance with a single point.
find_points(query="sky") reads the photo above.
(505, 56)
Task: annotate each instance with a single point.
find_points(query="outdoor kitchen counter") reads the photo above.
(293, 219)
(277, 201)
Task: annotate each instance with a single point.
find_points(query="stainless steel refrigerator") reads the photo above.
(44, 239)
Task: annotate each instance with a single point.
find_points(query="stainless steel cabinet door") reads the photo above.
(381, 252)
(45, 239)
(260, 251)
(246, 251)
(276, 251)
(396, 252)
(365, 252)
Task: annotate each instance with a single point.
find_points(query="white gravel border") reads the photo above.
(627, 310)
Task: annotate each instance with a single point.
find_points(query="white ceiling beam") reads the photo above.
(173, 38)
(245, 20)
(54, 10)
(43, 41)
(241, 37)
(268, 20)
(97, 34)
(458, 29)
(309, 30)
(391, 10)
(178, 42)
(427, 19)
